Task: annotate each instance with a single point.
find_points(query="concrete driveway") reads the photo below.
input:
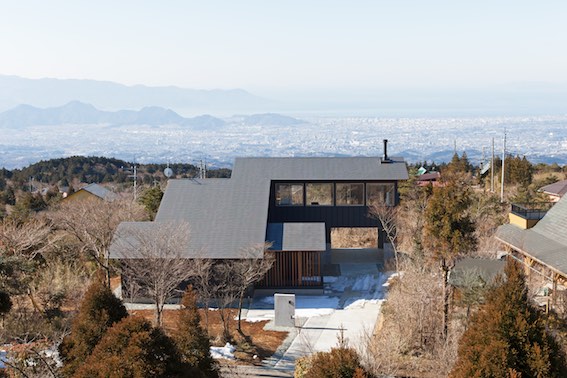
(351, 305)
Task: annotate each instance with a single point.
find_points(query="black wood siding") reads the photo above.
(332, 216)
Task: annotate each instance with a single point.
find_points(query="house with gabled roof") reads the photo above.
(555, 191)
(541, 241)
(91, 191)
(291, 203)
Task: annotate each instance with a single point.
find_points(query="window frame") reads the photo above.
(363, 194)
(332, 187)
(290, 184)
(385, 184)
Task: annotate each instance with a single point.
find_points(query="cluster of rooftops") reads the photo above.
(291, 203)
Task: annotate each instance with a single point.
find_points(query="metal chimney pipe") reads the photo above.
(385, 149)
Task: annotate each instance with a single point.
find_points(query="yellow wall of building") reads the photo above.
(521, 222)
(81, 195)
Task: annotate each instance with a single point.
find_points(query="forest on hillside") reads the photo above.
(36, 185)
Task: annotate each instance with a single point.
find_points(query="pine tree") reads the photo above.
(191, 339)
(507, 336)
(99, 310)
(449, 231)
(133, 348)
(151, 199)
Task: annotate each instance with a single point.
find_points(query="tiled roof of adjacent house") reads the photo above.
(99, 191)
(546, 241)
(557, 188)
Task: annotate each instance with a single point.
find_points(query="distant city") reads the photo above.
(540, 139)
(49, 118)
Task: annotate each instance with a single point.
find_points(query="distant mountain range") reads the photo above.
(268, 119)
(113, 96)
(76, 112)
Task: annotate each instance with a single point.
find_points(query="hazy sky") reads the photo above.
(271, 47)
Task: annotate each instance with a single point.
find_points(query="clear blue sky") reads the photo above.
(271, 47)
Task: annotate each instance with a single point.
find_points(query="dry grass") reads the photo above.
(407, 341)
(355, 237)
(254, 340)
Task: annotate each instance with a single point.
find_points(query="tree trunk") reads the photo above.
(33, 301)
(225, 324)
(396, 257)
(107, 268)
(207, 316)
(240, 311)
(445, 275)
(158, 314)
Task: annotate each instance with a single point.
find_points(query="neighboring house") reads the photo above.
(292, 203)
(543, 246)
(555, 191)
(91, 191)
(478, 272)
(431, 178)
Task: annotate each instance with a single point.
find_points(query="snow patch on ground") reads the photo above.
(226, 352)
(329, 279)
(3, 358)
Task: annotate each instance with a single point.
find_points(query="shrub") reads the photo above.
(191, 339)
(99, 310)
(341, 362)
(133, 348)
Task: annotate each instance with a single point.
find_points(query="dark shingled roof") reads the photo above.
(296, 236)
(320, 168)
(546, 241)
(229, 215)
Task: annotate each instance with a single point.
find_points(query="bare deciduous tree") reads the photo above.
(153, 256)
(388, 217)
(20, 245)
(250, 269)
(225, 291)
(203, 284)
(232, 278)
(93, 224)
(25, 240)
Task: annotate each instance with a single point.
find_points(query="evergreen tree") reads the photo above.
(191, 339)
(151, 198)
(133, 348)
(448, 231)
(99, 310)
(507, 336)
(9, 196)
(5, 303)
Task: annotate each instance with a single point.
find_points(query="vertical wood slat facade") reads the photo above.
(294, 269)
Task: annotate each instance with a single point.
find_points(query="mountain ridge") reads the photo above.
(77, 112)
(108, 95)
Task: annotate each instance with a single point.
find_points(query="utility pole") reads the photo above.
(134, 175)
(492, 169)
(503, 160)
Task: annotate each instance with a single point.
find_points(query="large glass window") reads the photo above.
(380, 194)
(289, 194)
(350, 194)
(319, 194)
